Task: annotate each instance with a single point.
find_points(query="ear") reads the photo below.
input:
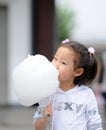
(78, 72)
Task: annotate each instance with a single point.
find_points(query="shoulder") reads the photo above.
(86, 91)
(90, 96)
(85, 88)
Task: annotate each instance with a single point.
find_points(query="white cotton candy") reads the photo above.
(35, 78)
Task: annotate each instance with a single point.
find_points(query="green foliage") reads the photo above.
(65, 23)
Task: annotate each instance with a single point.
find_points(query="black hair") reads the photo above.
(84, 59)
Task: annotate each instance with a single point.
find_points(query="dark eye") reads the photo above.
(55, 58)
(63, 63)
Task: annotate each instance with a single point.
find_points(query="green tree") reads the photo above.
(65, 23)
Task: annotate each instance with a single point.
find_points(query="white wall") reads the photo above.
(19, 23)
(19, 38)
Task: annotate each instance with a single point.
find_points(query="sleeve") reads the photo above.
(38, 113)
(42, 104)
(94, 121)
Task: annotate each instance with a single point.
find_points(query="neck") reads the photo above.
(65, 86)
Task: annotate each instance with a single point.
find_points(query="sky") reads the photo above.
(90, 19)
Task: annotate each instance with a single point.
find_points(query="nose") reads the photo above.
(56, 64)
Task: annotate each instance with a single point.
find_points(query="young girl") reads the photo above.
(73, 106)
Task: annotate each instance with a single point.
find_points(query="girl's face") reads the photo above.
(64, 62)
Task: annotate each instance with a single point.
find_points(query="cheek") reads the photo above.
(64, 74)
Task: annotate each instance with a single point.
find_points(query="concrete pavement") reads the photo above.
(16, 118)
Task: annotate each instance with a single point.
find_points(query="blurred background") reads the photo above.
(38, 26)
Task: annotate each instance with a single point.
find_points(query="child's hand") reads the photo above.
(48, 111)
(41, 123)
